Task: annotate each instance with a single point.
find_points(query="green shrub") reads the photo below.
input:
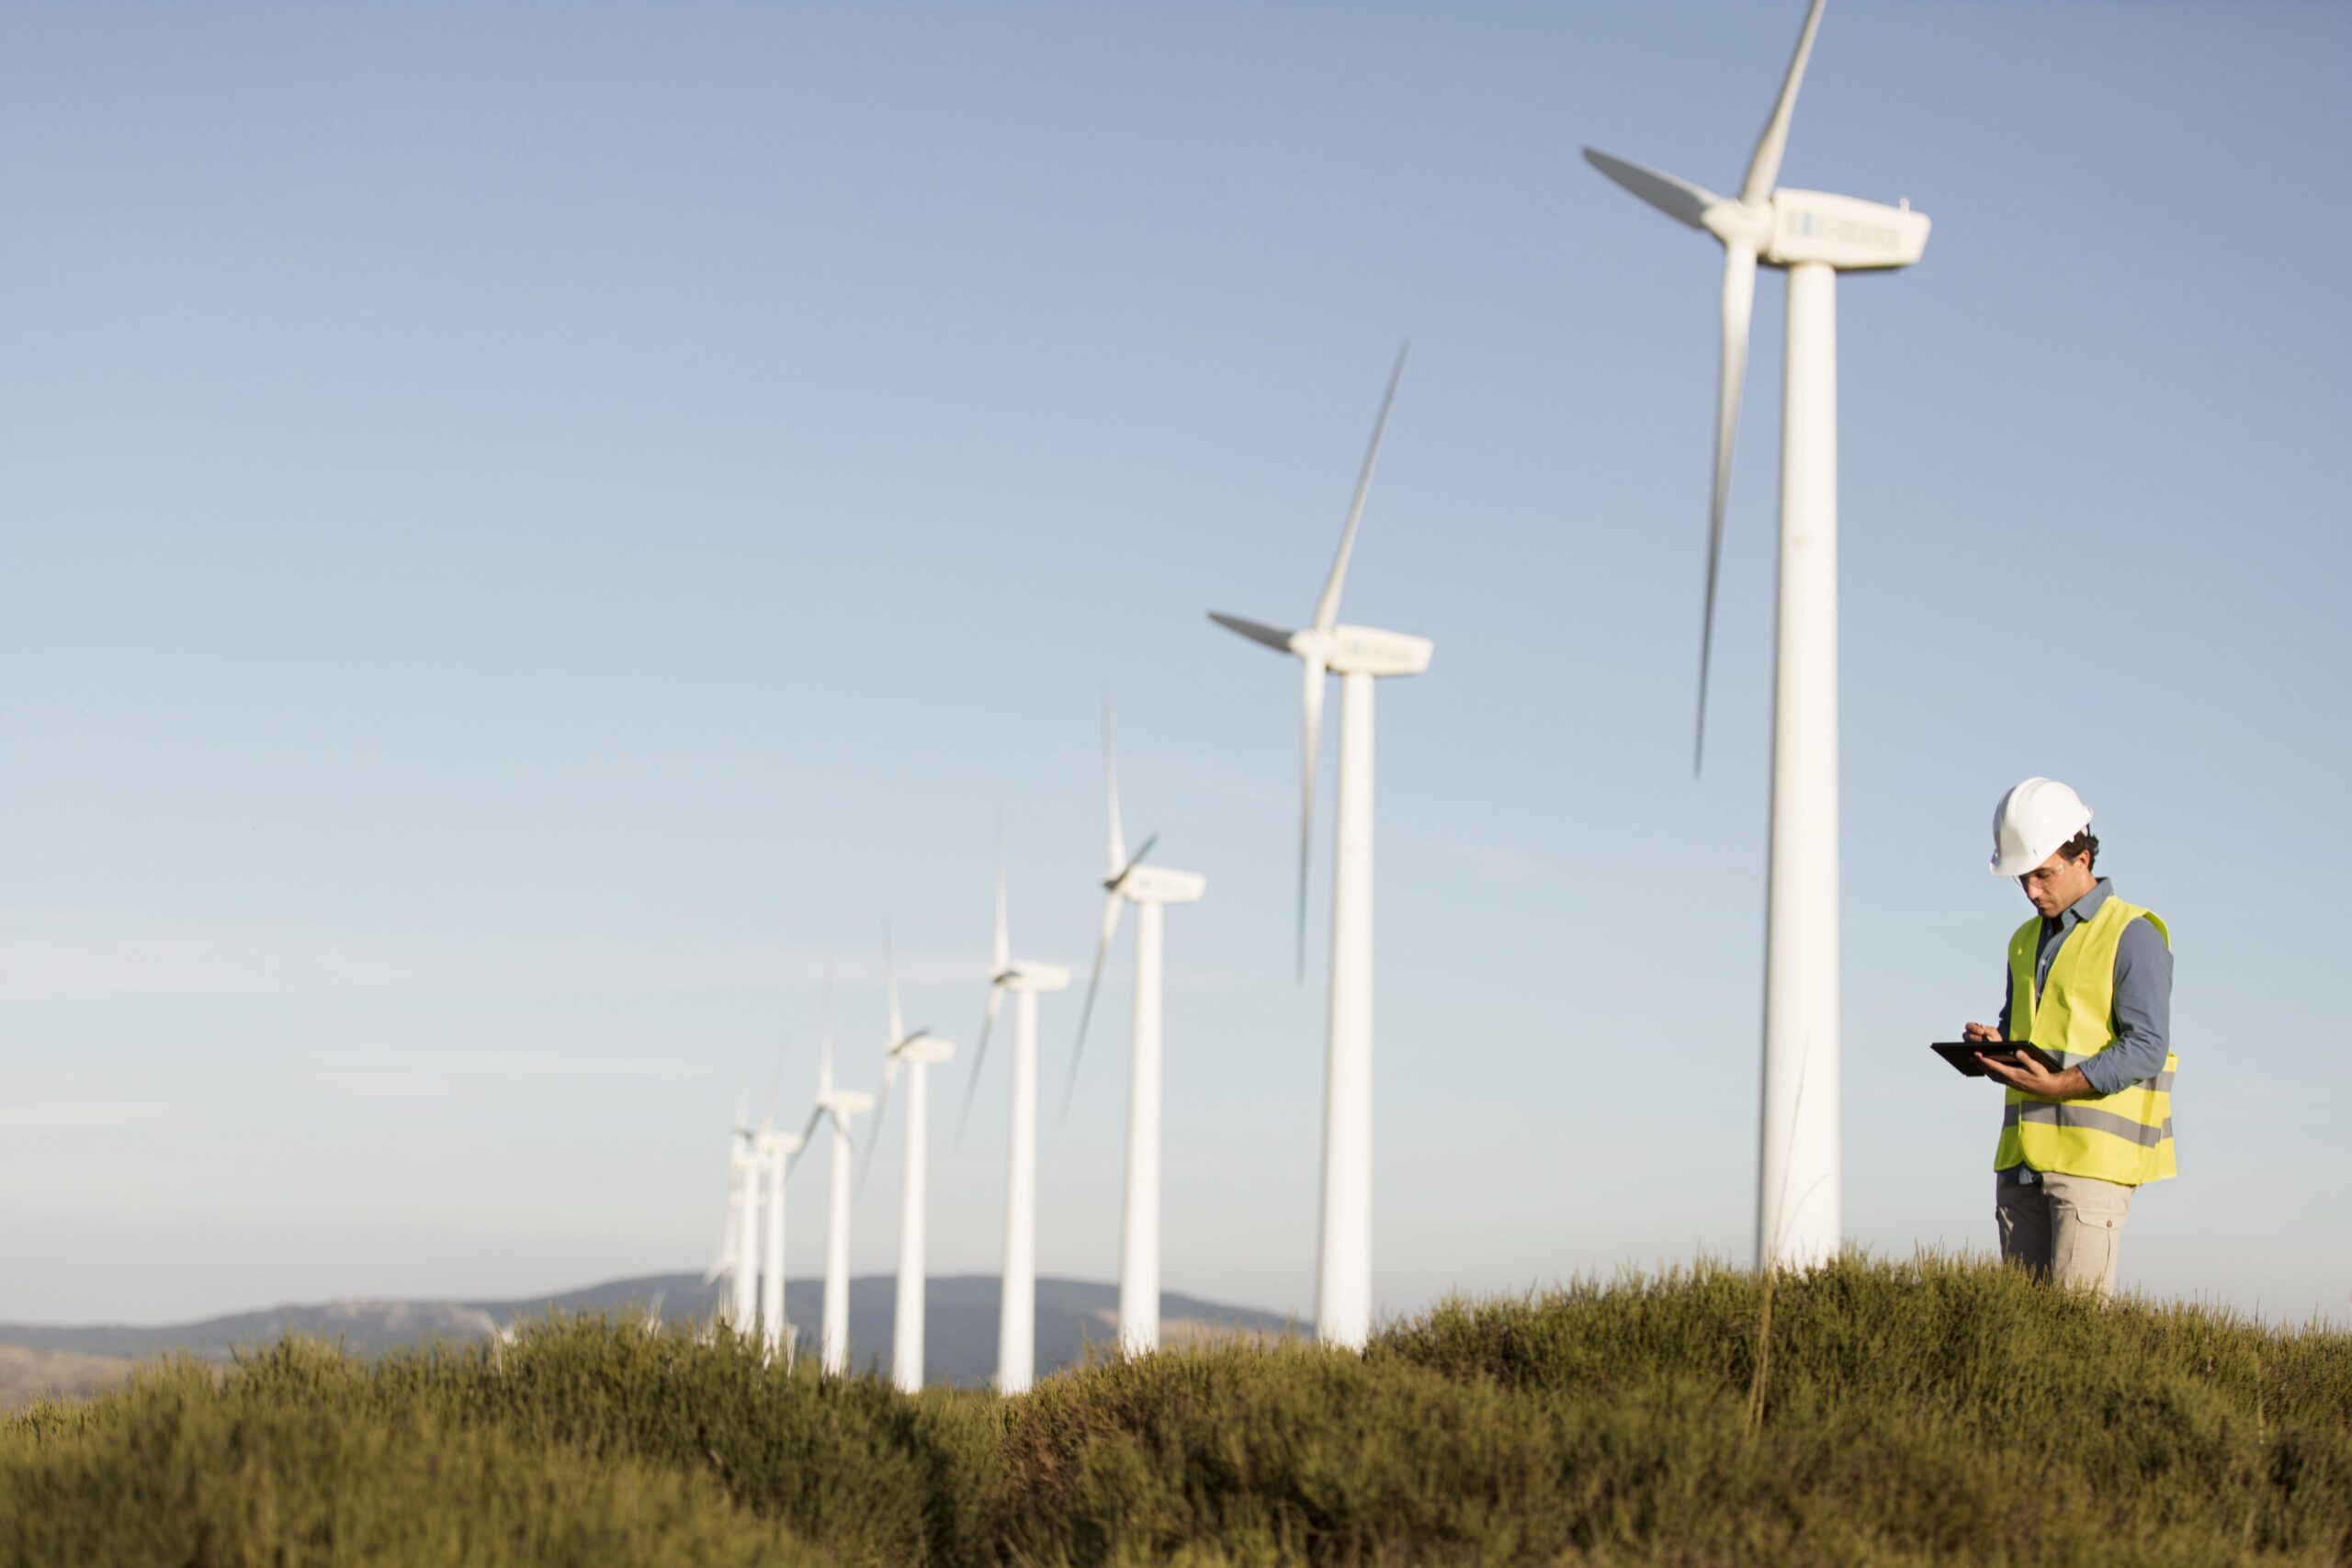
(1862, 1413)
(849, 1463)
(183, 1468)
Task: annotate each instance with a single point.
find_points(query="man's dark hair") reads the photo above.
(2083, 843)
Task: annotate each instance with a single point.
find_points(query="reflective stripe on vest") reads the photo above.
(2123, 1137)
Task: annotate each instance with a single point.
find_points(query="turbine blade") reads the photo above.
(1272, 637)
(1093, 982)
(775, 1087)
(1311, 710)
(1326, 609)
(898, 1029)
(1136, 862)
(1739, 307)
(1002, 953)
(806, 1133)
(1764, 169)
(874, 1135)
(1678, 199)
(1110, 785)
(825, 1039)
(980, 1055)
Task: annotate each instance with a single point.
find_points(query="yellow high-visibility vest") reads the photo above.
(2125, 1136)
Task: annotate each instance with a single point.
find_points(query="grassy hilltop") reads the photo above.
(1935, 1411)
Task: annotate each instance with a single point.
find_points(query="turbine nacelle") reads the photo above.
(774, 1145)
(1843, 231)
(841, 1103)
(1368, 650)
(1159, 884)
(1035, 978)
(1344, 649)
(927, 1050)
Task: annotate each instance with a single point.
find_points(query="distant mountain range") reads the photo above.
(1072, 1315)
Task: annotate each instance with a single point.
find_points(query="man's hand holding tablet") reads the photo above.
(2023, 1066)
(1982, 1053)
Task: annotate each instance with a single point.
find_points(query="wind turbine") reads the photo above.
(1814, 236)
(836, 1106)
(1358, 654)
(772, 1153)
(918, 1052)
(1149, 889)
(1016, 1334)
(738, 1260)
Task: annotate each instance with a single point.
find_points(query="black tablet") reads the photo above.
(1967, 1056)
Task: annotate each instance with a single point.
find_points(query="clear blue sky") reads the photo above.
(525, 530)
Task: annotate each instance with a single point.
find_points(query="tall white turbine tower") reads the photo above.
(1016, 1334)
(738, 1260)
(772, 1152)
(1814, 236)
(918, 1052)
(1358, 654)
(838, 1107)
(1149, 889)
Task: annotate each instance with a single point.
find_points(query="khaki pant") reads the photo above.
(2067, 1228)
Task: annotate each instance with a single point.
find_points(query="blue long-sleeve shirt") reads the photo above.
(2142, 994)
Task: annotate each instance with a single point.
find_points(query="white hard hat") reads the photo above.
(2031, 822)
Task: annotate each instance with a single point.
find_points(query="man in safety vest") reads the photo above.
(2090, 983)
